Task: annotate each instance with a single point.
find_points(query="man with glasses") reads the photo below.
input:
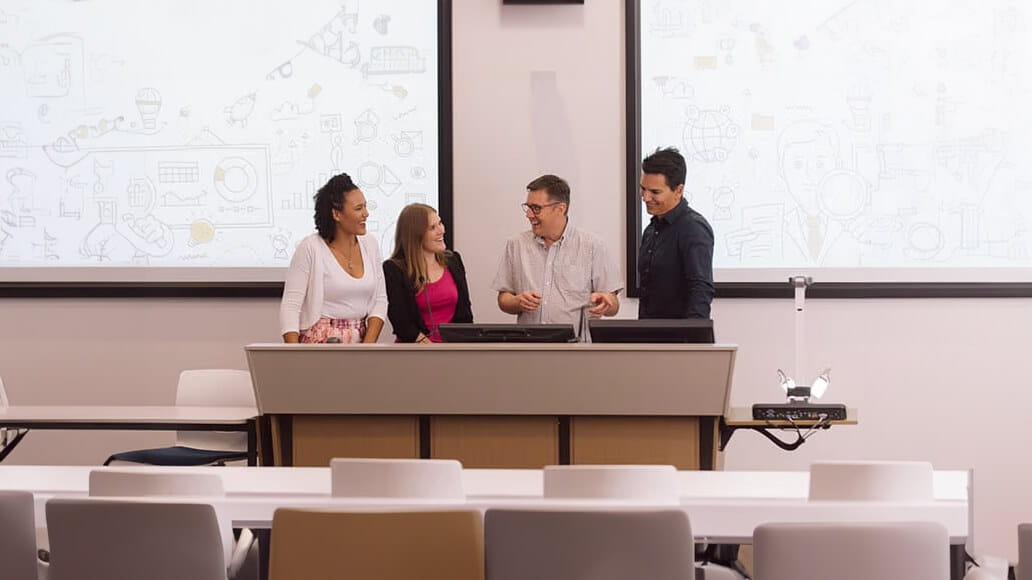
(675, 260)
(555, 273)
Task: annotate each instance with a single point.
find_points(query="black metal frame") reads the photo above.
(762, 289)
(274, 289)
(249, 426)
(726, 431)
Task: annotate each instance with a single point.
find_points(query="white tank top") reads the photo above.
(343, 295)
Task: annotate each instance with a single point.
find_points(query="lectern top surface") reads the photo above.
(577, 346)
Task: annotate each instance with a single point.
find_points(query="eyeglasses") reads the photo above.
(535, 208)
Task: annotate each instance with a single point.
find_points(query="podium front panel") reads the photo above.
(488, 379)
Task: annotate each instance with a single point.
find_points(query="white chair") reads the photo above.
(18, 537)
(587, 545)
(851, 551)
(1024, 567)
(132, 482)
(871, 481)
(397, 478)
(651, 483)
(9, 438)
(202, 388)
(94, 539)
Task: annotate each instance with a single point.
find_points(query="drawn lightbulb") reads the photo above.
(148, 102)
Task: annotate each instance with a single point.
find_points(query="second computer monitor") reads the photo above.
(507, 332)
(697, 330)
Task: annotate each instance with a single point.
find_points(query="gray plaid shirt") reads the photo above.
(565, 274)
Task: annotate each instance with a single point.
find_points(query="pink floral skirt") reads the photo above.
(347, 331)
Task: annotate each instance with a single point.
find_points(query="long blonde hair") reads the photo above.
(412, 224)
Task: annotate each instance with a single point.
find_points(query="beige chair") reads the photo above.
(851, 551)
(327, 545)
(202, 388)
(647, 483)
(18, 537)
(1024, 567)
(92, 539)
(588, 545)
(871, 481)
(397, 478)
(133, 482)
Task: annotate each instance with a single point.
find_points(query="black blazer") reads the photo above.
(402, 309)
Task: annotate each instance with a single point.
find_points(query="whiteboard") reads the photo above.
(184, 139)
(851, 140)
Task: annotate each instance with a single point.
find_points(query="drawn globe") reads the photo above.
(709, 136)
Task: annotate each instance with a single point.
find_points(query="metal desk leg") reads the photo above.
(7, 449)
(958, 561)
(252, 442)
(263, 537)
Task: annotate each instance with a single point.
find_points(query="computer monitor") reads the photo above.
(507, 332)
(699, 330)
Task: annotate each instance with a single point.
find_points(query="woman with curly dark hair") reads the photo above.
(334, 289)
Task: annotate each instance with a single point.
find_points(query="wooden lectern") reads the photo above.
(499, 405)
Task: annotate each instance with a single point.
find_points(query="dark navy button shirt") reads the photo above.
(675, 265)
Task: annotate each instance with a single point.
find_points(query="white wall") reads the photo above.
(942, 380)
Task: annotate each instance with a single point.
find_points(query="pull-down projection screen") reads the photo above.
(852, 140)
(172, 140)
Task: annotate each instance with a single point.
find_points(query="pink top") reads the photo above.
(437, 303)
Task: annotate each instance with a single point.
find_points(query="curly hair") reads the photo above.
(331, 197)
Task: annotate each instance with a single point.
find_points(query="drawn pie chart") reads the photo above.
(235, 179)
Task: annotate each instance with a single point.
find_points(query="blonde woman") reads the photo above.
(426, 283)
(334, 289)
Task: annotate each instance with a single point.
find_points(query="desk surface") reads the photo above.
(722, 505)
(791, 485)
(92, 416)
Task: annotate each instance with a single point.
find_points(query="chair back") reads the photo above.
(851, 551)
(871, 481)
(326, 545)
(214, 388)
(3, 395)
(135, 482)
(1024, 568)
(595, 545)
(94, 539)
(17, 536)
(3, 404)
(650, 483)
(397, 478)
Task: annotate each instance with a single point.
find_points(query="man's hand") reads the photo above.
(528, 301)
(605, 304)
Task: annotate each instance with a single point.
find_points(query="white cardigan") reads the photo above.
(303, 287)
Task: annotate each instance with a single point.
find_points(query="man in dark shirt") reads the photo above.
(675, 261)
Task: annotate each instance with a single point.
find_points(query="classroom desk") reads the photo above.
(724, 506)
(134, 418)
(252, 494)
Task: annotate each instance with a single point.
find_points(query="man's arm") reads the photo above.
(696, 252)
